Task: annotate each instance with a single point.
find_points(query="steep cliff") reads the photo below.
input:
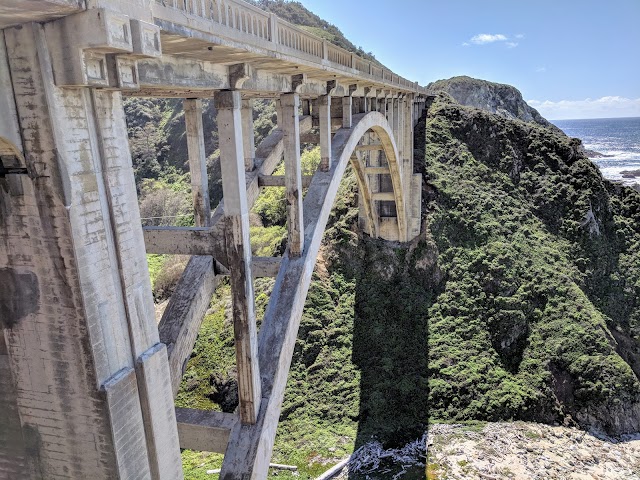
(498, 98)
(539, 310)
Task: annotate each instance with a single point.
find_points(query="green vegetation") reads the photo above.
(155, 265)
(540, 260)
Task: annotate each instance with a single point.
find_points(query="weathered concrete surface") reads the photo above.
(127, 429)
(206, 431)
(290, 103)
(158, 412)
(72, 241)
(10, 140)
(61, 408)
(236, 232)
(12, 447)
(15, 12)
(197, 161)
(181, 320)
(369, 218)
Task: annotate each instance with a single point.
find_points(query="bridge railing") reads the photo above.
(249, 20)
(296, 38)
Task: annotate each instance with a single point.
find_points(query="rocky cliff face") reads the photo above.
(503, 100)
(538, 312)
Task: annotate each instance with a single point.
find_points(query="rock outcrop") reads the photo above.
(498, 98)
(502, 451)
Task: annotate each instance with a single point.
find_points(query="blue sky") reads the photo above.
(569, 58)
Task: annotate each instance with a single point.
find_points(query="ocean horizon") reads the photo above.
(618, 139)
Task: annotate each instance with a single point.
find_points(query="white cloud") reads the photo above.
(541, 69)
(604, 107)
(484, 38)
(520, 36)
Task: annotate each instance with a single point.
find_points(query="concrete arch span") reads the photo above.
(384, 141)
(250, 447)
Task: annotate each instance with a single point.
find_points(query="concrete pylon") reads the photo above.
(89, 380)
(229, 105)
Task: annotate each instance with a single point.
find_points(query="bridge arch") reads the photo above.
(346, 143)
(250, 448)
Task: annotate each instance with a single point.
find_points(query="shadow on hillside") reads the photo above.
(390, 346)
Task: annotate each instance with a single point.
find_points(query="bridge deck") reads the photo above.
(249, 34)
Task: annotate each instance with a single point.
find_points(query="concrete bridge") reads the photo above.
(87, 376)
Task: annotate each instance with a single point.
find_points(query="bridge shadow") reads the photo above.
(390, 344)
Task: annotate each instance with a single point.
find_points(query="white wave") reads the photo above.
(617, 155)
(598, 146)
(615, 173)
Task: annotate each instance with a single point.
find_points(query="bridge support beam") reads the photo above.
(236, 211)
(293, 174)
(324, 107)
(390, 113)
(347, 112)
(248, 141)
(197, 161)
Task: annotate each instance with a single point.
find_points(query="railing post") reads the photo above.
(324, 107)
(273, 28)
(293, 176)
(325, 50)
(197, 161)
(354, 61)
(236, 210)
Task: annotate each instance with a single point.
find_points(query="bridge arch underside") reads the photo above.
(382, 194)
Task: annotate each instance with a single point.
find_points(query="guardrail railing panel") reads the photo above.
(250, 20)
(339, 55)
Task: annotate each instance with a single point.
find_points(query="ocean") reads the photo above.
(617, 138)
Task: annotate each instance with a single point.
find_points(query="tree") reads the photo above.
(148, 144)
